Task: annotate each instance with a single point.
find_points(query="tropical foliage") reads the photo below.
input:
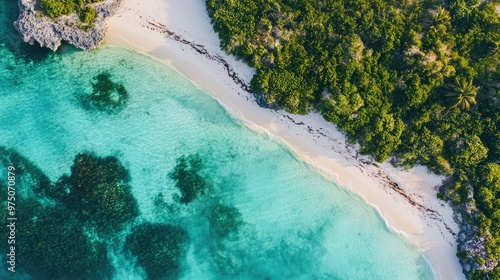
(87, 14)
(57, 8)
(464, 94)
(415, 80)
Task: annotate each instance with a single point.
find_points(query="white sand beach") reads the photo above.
(419, 215)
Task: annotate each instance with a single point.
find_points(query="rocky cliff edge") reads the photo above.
(34, 26)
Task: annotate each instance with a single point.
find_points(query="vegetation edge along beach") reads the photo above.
(413, 81)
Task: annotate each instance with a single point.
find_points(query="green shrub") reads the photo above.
(87, 14)
(57, 8)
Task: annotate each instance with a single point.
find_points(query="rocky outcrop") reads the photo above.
(35, 27)
(471, 245)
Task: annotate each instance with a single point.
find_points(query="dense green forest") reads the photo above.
(417, 81)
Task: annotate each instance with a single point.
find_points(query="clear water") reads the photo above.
(297, 225)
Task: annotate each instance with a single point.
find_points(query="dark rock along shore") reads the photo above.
(50, 33)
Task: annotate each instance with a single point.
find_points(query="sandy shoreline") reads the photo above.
(421, 217)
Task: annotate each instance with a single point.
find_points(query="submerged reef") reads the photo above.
(159, 248)
(67, 226)
(188, 180)
(107, 95)
(50, 242)
(39, 23)
(224, 220)
(53, 245)
(98, 190)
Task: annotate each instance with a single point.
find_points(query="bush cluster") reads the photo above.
(57, 8)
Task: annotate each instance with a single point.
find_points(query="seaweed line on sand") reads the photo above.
(430, 213)
(159, 27)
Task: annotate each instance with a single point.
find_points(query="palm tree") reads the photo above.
(441, 16)
(464, 94)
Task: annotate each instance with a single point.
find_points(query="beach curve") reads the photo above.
(319, 143)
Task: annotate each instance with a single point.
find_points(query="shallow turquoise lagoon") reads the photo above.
(292, 223)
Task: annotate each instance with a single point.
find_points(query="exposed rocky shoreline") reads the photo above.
(470, 243)
(50, 33)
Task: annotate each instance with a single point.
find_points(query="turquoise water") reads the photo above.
(292, 223)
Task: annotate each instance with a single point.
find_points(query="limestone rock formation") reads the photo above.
(35, 27)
